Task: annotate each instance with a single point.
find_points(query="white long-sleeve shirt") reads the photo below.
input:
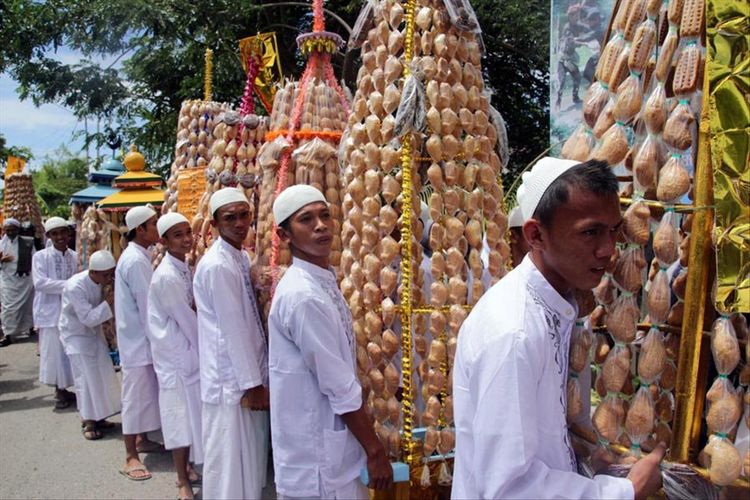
(509, 383)
(83, 310)
(231, 340)
(173, 325)
(313, 380)
(132, 279)
(50, 269)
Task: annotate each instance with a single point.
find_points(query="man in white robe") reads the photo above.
(83, 310)
(233, 358)
(319, 446)
(173, 332)
(140, 389)
(16, 286)
(51, 268)
(509, 378)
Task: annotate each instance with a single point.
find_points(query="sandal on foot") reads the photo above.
(128, 473)
(105, 424)
(92, 433)
(61, 404)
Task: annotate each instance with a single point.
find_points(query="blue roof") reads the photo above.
(111, 168)
(92, 194)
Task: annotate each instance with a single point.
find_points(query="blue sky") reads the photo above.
(42, 129)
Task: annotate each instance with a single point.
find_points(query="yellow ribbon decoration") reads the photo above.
(407, 440)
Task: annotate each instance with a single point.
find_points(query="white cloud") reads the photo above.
(25, 116)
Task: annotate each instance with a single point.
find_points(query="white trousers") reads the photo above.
(54, 365)
(140, 400)
(180, 409)
(353, 490)
(97, 391)
(235, 447)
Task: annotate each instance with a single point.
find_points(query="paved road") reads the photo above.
(44, 455)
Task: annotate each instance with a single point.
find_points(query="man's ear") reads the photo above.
(283, 234)
(534, 233)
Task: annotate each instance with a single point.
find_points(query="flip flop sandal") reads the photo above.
(92, 434)
(128, 473)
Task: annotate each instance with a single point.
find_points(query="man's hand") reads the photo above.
(646, 475)
(6, 258)
(256, 398)
(379, 468)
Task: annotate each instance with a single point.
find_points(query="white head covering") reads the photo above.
(167, 221)
(225, 196)
(101, 260)
(138, 215)
(515, 219)
(10, 221)
(293, 198)
(536, 182)
(54, 223)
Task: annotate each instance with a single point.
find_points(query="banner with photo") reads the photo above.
(576, 34)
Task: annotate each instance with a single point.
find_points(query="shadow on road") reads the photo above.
(22, 404)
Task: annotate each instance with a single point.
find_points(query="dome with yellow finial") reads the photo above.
(134, 160)
(137, 186)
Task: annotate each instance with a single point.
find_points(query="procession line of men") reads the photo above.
(509, 368)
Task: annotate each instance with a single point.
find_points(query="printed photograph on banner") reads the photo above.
(576, 35)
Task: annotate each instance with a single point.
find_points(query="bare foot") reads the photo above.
(193, 475)
(145, 445)
(184, 492)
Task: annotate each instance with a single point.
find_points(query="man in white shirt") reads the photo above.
(50, 269)
(510, 373)
(16, 286)
(319, 446)
(173, 332)
(83, 310)
(140, 389)
(233, 358)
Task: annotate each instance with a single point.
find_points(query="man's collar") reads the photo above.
(566, 307)
(314, 269)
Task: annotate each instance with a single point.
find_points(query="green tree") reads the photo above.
(57, 179)
(157, 46)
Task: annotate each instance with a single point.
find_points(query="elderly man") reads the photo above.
(140, 389)
(83, 310)
(173, 332)
(510, 371)
(16, 286)
(319, 447)
(51, 268)
(233, 358)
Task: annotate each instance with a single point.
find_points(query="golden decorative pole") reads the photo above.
(407, 439)
(208, 76)
(689, 386)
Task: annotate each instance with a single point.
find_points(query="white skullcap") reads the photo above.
(54, 223)
(225, 196)
(293, 198)
(515, 219)
(167, 221)
(10, 221)
(137, 216)
(536, 182)
(101, 260)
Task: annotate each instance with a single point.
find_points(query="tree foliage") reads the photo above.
(154, 51)
(57, 179)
